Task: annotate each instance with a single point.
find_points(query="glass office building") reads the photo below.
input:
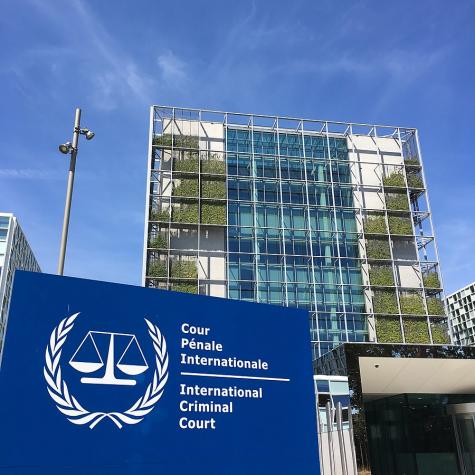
(461, 311)
(15, 253)
(328, 216)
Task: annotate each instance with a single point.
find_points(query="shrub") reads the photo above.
(414, 181)
(412, 304)
(412, 161)
(440, 333)
(164, 140)
(435, 306)
(388, 330)
(184, 270)
(157, 269)
(188, 287)
(400, 225)
(158, 242)
(394, 179)
(213, 189)
(186, 188)
(186, 165)
(217, 167)
(188, 213)
(416, 330)
(375, 224)
(431, 280)
(184, 141)
(381, 275)
(159, 215)
(397, 201)
(384, 301)
(377, 249)
(213, 213)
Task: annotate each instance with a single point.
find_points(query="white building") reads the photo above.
(461, 310)
(15, 253)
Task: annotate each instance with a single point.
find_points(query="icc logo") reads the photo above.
(89, 359)
(131, 369)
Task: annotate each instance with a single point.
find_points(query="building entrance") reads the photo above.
(421, 434)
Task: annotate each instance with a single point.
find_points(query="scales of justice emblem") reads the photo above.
(122, 354)
(87, 358)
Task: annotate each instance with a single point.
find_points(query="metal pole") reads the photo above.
(69, 191)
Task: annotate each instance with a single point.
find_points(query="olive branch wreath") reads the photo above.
(69, 405)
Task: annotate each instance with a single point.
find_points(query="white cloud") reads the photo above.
(30, 174)
(172, 68)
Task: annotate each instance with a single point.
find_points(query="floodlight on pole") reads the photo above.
(72, 149)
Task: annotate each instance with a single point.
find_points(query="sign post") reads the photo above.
(103, 378)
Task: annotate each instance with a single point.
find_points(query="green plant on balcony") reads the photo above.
(397, 201)
(388, 330)
(181, 141)
(381, 275)
(384, 301)
(216, 167)
(187, 213)
(415, 181)
(416, 330)
(395, 179)
(157, 269)
(440, 333)
(213, 213)
(187, 164)
(412, 304)
(184, 270)
(400, 225)
(158, 242)
(186, 188)
(213, 189)
(188, 287)
(431, 280)
(164, 140)
(377, 249)
(435, 306)
(186, 141)
(159, 215)
(414, 161)
(375, 224)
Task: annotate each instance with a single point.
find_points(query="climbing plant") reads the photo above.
(186, 187)
(157, 269)
(399, 225)
(184, 270)
(375, 224)
(381, 275)
(388, 330)
(397, 201)
(213, 189)
(416, 330)
(213, 213)
(377, 249)
(412, 304)
(431, 280)
(435, 306)
(394, 179)
(384, 301)
(186, 213)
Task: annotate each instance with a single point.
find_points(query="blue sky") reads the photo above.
(404, 63)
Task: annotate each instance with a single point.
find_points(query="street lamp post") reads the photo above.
(72, 149)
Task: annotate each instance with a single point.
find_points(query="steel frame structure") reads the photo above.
(422, 236)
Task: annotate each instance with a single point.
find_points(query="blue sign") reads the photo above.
(100, 378)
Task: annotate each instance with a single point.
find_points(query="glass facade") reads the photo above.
(15, 253)
(292, 236)
(329, 217)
